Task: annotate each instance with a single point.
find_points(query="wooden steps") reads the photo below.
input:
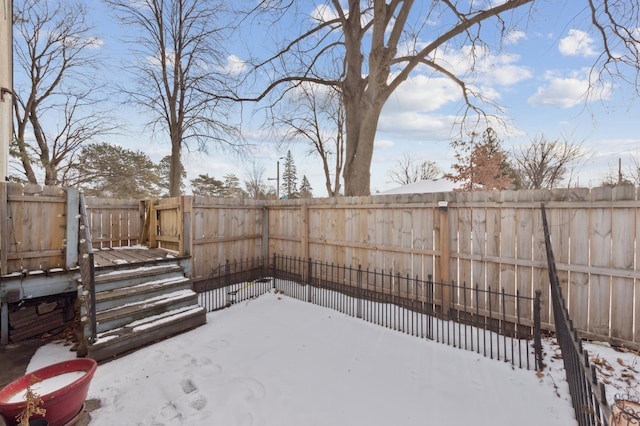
(139, 305)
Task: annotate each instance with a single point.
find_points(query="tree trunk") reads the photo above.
(363, 103)
(175, 170)
(359, 151)
(26, 161)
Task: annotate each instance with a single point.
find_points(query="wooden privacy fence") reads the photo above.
(34, 228)
(485, 239)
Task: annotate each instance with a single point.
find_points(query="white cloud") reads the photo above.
(567, 92)
(488, 69)
(513, 37)
(235, 65)
(422, 93)
(577, 43)
(564, 92)
(412, 125)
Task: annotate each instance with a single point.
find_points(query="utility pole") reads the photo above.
(277, 178)
(6, 85)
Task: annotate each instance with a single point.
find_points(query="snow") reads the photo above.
(50, 385)
(423, 187)
(140, 269)
(278, 361)
(131, 247)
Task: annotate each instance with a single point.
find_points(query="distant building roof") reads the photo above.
(423, 187)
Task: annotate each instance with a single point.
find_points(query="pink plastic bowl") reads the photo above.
(62, 404)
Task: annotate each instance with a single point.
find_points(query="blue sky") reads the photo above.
(538, 78)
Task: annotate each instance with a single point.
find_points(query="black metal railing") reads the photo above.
(87, 275)
(234, 282)
(588, 396)
(484, 321)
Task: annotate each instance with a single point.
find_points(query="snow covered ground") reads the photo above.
(278, 361)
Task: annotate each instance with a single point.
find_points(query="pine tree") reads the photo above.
(305, 188)
(207, 186)
(232, 187)
(106, 170)
(289, 178)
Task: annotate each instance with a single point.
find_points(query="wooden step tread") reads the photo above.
(143, 288)
(147, 304)
(140, 326)
(132, 337)
(140, 271)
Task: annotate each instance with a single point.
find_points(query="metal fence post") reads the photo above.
(227, 273)
(359, 292)
(309, 279)
(537, 331)
(274, 271)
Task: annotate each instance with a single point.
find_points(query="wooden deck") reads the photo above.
(113, 257)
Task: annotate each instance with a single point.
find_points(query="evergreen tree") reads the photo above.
(232, 187)
(106, 170)
(289, 178)
(208, 186)
(305, 188)
(165, 168)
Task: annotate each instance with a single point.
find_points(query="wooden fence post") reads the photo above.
(265, 232)
(153, 223)
(144, 212)
(185, 244)
(73, 227)
(445, 255)
(304, 232)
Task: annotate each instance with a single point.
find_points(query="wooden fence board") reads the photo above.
(478, 244)
(509, 230)
(623, 232)
(578, 296)
(525, 222)
(464, 246)
(600, 255)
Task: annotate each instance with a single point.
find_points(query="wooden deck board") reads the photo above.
(114, 257)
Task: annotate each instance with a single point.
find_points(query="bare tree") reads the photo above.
(255, 183)
(620, 177)
(391, 35)
(382, 42)
(315, 113)
(410, 169)
(616, 21)
(181, 71)
(55, 96)
(545, 163)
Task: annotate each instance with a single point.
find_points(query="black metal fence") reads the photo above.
(487, 322)
(234, 282)
(587, 394)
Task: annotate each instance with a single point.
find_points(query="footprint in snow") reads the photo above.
(188, 386)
